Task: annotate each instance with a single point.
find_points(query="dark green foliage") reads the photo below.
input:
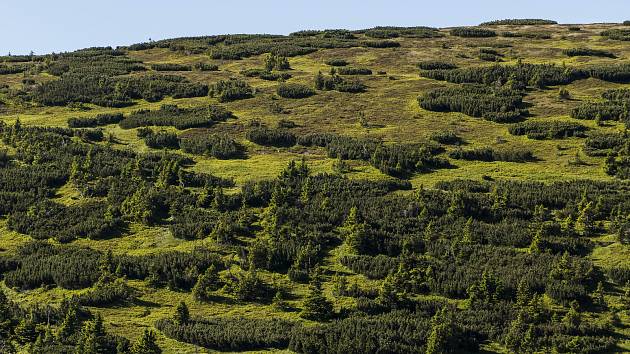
(180, 118)
(446, 137)
(381, 44)
(276, 62)
(98, 120)
(206, 67)
(436, 65)
(170, 67)
(52, 220)
(220, 146)
(336, 62)
(618, 34)
(396, 160)
(231, 90)
(499, 105)
(519, 22)
(266, 75)
(602, 144)
(271, 137)
(43, 264)
(294, 91)
(527, 34)
(161, 140)
(601, 110)
(395, 32)
(472, 32)
(113, 92)
(516, 76)
(548, 129)
(574, 52)
(13, 69)
(336, 82)
(353, 71)
(233, 334)
(493, 154)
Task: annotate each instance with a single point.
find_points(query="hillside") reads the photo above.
(394, 189)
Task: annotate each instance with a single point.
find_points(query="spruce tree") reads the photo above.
(146, 344)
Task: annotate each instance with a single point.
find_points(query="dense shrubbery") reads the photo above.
(271, 137)
(13, 69)
(336, 62)
(220, 146)
(113, 92)
(499, 105)
(231, 90)
(234, 334)
(386, 32)
(170, 67)
(493, 154)
(515, 75)
(180, 118)
(397, 160)
(381, 44)
(617, 34)
(98, 120)
(293, 90)
(336, 82)
(161, 139)
(601, 110)
(603, 144)
(548, 129)
(266, 75)
(574, 52)
(472, 32)
(436, 65)
(519, 22)
(524, 34)
(353, 71)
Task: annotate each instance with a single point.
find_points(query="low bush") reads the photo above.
(294, 91)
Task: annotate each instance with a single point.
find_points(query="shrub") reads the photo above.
(336, 82)
(492, 154)
(519, 22)
(381, 44)
(180, 118)
(231, 90)
(98, 120)
(574, 52)
(548, 130)
(336, 62)
(220, 146)
(500, 105)
(206, 67)
(170, 67)
(271, 137)
(617, 34)
(161, 139)
(354, 71)
(266, 75)
(294, 91)
(472, 32)
(446, 137)
(436, 65)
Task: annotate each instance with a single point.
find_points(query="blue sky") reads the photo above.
(44, 26)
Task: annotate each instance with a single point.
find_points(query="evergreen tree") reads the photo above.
(92, 339)
(439, 340)
(316, 306)
(182, 316)
(146, 344)
(206, 284)
(25, 331)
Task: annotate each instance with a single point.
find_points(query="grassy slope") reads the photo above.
(393, 114)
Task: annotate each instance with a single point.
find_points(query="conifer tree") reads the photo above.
(146, 344)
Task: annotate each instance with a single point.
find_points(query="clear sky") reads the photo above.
(45, 26)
